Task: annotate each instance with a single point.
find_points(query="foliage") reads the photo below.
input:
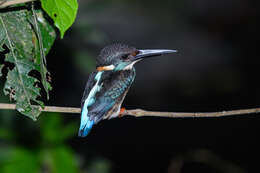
(24, 53)
(50, 153)
(14, 159)
(45, 149)
(26, 36)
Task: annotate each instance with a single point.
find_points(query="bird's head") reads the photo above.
(122, 57)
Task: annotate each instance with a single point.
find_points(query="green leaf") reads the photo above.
(63, 12)
(61, 159)
(20, 160)
(51, 127)
(18, 34)
(42, 27)
(18, 39)
(69, 131)
(54, 130)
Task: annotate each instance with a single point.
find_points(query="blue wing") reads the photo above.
(103, 91)
(92, 87)
(93, 107)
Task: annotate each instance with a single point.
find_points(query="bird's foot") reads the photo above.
(121, 113)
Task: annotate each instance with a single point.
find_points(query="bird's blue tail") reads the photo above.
(85, 123)
(85, 127)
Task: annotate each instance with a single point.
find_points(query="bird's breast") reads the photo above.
(115, 89)
(116, 83)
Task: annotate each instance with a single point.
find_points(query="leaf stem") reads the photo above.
(43, 62)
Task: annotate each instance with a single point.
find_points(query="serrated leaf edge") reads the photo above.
(12, 51)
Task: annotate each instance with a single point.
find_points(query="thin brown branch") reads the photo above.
(46, 108)
(144, 113)
(6, 3)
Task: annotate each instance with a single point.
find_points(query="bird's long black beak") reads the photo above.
(152, 52)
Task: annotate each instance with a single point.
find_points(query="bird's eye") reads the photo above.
(125, 56)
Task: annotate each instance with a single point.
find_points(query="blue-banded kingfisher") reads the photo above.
(108, 85)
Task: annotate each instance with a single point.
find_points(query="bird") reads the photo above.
(108, 85)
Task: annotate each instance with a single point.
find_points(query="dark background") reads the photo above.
(216, 69)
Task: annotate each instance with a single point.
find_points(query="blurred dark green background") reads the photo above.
(216, 69)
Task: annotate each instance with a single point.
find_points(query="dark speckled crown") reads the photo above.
(110, 53)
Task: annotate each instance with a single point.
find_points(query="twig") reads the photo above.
(46, 109)
(144, 113)
(5, 3)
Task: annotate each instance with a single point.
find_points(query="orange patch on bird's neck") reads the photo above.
(99, 68)
(105, 68)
